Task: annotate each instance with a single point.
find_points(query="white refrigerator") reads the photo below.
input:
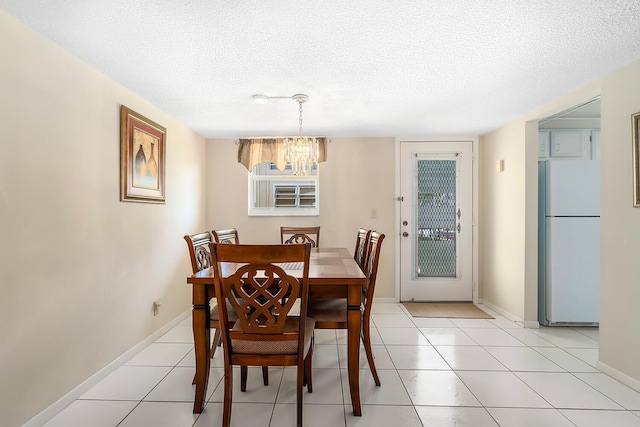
(569, 242)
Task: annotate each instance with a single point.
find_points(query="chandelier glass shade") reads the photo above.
(301, 152)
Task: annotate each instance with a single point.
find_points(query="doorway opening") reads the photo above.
(569, 216)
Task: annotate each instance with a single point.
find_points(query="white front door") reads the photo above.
(436, 244)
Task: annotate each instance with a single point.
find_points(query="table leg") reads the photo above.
(202, 339)
(354, 325)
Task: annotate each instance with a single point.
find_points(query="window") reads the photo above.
(276, 193)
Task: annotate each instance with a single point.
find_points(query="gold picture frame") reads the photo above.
(142, 158)
(635, 122)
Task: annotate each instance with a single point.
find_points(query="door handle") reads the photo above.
(405, 234)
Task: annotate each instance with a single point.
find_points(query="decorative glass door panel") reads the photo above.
(436, 219)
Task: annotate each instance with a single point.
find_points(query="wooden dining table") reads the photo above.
(333, 273)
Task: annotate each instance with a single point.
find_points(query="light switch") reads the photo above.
(500, 166)
(374, 213)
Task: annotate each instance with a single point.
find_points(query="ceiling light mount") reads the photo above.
(300, 98)
(263, 99)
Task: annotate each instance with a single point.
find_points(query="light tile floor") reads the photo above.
(434, 372)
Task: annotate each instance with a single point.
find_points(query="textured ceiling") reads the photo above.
(370, 68)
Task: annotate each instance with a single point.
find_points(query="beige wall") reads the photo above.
(620, 227)
(508, 211)
(79, 269)
(502, 219)
(357, 177)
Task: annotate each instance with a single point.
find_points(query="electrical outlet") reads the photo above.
(374, 213)
(156, 307)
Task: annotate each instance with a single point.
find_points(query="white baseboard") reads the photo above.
(620, 376)
(530, 324)
(500, 311)
(74, 394)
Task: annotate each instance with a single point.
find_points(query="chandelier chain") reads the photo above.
(300, 119)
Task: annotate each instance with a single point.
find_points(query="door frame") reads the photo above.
(474, 195)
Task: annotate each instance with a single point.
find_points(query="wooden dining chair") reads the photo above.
(201, 259)
(290, 235)
(249, 278)
(332, 313)
(199, 252)
(362, 241)
(229, 235)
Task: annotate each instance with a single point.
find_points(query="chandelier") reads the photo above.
(301, 152)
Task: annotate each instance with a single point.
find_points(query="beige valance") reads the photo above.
(259, 150)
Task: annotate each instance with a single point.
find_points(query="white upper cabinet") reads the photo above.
(543, 144)
(581, 144)
(568, 143)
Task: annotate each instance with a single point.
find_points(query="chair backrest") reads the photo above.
(199, 250)
(371, 267)
(289, 235)
(362, 241)
(229, 236)
(250, 279)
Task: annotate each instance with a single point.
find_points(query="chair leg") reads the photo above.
(299, 387)
(228, 394)
(243, 378)
(244, 374)
(217, 342)
(308, 361)
(366, 340)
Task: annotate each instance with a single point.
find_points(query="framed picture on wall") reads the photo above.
(635, 122)
(142, 158)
